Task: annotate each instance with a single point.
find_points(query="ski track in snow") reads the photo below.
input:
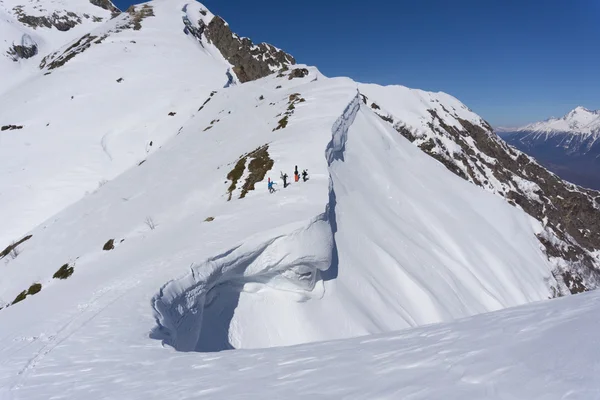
(104, 144)
(86, 313)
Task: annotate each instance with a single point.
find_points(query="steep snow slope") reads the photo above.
(418, 254)
(448, 131)
(101, 112)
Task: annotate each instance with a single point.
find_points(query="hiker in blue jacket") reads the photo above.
(270, 184)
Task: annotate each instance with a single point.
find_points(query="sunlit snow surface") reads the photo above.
(382, 237)
(82, 126)
(413, 245)
(543, 351)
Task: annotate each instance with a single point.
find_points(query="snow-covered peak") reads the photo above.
(578, 120)
(582, 110)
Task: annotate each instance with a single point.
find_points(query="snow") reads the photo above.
(48, 39)
(381, 238)
(543, 351)
(580, 121)
(59, 154)
(343, 255)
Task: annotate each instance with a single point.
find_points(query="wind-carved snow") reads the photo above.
(418, 274)
(289, 262)
(337, 146)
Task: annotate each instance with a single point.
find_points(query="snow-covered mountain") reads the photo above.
(138, 224)
(101, 104)
(578, 121)
(29, 29)
(568, 146)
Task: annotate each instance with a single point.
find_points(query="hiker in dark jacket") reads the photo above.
(284, 179)
(304, 175)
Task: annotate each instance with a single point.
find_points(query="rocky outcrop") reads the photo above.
(56, 60)
(107, 5)
(298, 73)
(62, 21)
(249, 61)
(570, 215)
(138, 14)
(10, 127)
(135, 16)
(17, 51)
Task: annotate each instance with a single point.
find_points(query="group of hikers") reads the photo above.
(284, 177)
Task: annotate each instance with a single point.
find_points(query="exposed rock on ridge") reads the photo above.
(107, 5)
(569, 214)
(249, 61)
(18, 51)
(62, 21)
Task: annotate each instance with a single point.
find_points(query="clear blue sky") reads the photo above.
(511, 61)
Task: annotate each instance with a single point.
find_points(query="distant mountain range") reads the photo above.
(568, 146)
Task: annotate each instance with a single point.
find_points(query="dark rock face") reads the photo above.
(56, 60)
(298, 73)
(249, 61)
(62, 22)
(136, 14)
(10, 127)
(570, 215)
(107, 5)
(17, 52)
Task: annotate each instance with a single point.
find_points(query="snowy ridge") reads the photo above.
(414, 213)
(289, 262)
(365, 300)
(416, 262)
(448, 131)
(337, 146)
